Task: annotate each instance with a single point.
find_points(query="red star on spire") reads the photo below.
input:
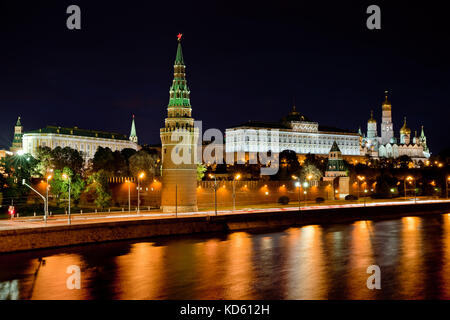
(179, 36)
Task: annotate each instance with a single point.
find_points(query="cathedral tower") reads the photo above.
(179, 146)
(371, 127)
(18, 133)
(387, 128)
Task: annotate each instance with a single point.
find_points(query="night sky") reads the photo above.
(244, 62)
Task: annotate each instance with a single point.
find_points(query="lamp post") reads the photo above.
(46, 201)
(409, 179)
(365, 197)
(236, 177)
(215, 193)
(129, 196)
(305, 185)
(446, 185)
(140, 176)
(361, 179)
(298, 185)
(65, 176)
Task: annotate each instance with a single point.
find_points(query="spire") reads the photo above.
(179, 57)
(133, 136)
(372, 120)
(386, 102)
(18, 124)
(179, 91)
(422, 134)
(359, 131)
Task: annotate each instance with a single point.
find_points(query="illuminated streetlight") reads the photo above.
(49, 177)
(65, 176)
(298, 185)
(215, 192)
(129, 195)
(140, 176)
(361, 179)
(236, 177)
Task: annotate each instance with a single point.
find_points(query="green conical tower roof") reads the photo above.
(335, 147)
(179, 91)
(18, 124)
(133, 134)
(422, 134)
(179, 58)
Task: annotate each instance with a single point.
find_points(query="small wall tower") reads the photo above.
(17, 140)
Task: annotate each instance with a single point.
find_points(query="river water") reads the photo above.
(311, 262)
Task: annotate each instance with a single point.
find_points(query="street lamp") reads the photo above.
(298, 185)
(65, 176)
(236, 177)
(361, 179)
(409, 179)
(129, 195)
(49, 177)
(446, 185)
(305, 185)
(215, 192)
(140, 176)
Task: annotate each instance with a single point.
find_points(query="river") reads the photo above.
(310, 262)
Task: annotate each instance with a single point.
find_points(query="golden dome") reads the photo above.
(372, 120)
(405, 129)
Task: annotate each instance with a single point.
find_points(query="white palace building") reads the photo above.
(294, 132)
(85, 141)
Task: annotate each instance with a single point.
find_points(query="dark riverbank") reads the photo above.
(76, 234)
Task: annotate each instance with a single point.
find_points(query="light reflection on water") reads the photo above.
(311, 262)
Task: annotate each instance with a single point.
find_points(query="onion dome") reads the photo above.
(405, 129)
(372, 120)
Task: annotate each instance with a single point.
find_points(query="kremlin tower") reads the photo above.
(179, 146)
(133, 135)
(387, 128)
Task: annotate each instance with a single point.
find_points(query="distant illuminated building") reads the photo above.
(388, 146)
(294, 132)
(85, 141)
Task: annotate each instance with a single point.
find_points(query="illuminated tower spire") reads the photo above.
(133, 135)
(179, 145)
(387, 128)
(371, 127)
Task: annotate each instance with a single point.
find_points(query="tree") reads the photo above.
(200, 171)
(65, 157)
(98, 184)
(17, 168)
(103, 160)
(59, 185)
(45, 158)
(310, 173)
(142, 161)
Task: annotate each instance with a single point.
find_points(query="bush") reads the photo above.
(351, 197)
(283, 200)
(320, 200)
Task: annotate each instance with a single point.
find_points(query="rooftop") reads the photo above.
(75, 131)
